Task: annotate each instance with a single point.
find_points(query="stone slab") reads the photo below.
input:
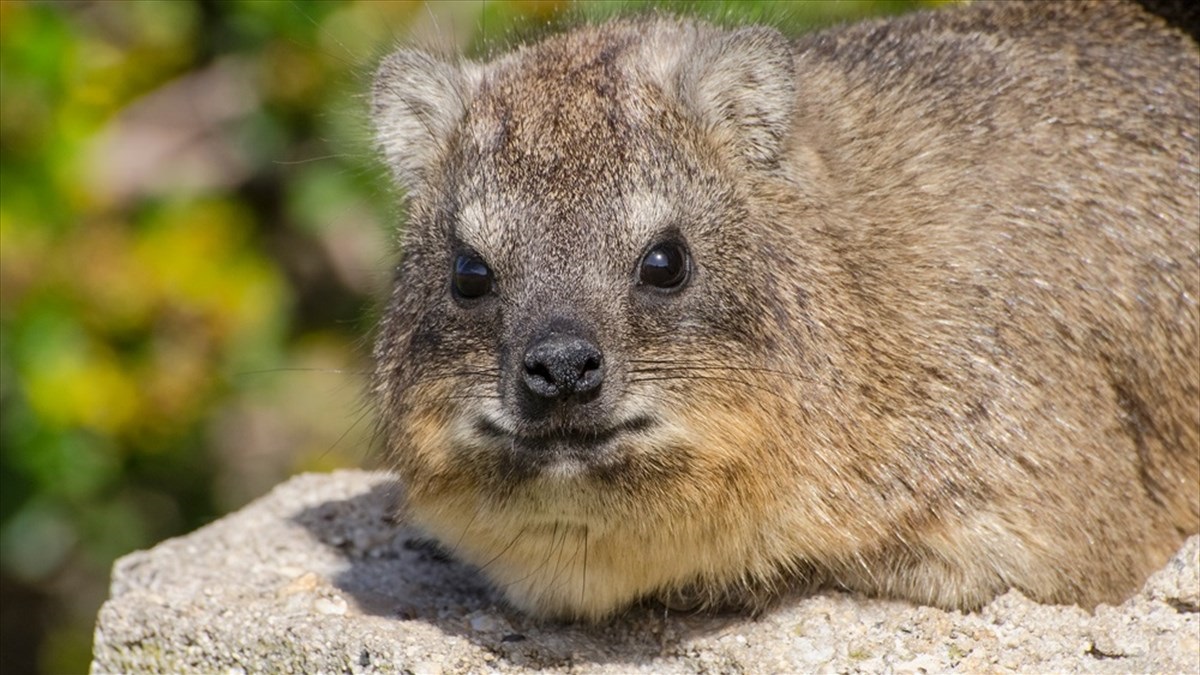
(316, 578)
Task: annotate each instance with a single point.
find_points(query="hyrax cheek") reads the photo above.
(730, 438)
(436, 422)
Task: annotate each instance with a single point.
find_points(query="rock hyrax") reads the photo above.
(907, 307)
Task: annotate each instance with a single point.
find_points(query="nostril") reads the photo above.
(589, 376)
(539, 371)
(592, 362)
(538, 377)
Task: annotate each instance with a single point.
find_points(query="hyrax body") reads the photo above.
(908, 307)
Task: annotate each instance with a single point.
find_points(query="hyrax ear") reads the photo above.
(743, 87)
(417, 99)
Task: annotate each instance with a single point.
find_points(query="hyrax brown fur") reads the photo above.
(908, 307)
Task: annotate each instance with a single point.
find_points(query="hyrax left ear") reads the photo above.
(742, 85)
(418, 99)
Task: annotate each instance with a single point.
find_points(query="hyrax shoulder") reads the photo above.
(908, 307)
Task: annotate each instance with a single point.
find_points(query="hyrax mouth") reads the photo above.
(563, 448)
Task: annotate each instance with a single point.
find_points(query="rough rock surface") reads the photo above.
(315, 578)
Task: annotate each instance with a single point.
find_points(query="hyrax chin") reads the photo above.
(908, 308)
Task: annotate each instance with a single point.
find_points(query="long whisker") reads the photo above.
(333, 371)
(504, 550)
(583, 582)
(656, 365)
(363, 414)
(707, 378)
(545, 561)
(474, 515)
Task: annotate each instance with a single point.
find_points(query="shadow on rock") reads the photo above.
(395, 572)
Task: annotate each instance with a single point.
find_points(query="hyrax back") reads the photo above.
(908, 307)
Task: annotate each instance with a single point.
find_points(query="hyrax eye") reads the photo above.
(472, 276)
(664, 266)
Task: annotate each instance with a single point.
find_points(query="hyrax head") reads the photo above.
(581, 284)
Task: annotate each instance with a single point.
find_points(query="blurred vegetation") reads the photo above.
(193, 230)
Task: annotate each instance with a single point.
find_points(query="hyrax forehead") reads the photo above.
(565, 100)
(581, 101)
(573, 138)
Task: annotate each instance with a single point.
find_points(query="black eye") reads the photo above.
(472, 276)
(665, 266)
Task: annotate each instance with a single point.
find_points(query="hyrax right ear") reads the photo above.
(418, 99)
(743, 86)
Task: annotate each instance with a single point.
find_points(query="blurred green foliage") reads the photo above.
(192, 231)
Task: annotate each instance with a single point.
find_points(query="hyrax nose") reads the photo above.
(560, 365)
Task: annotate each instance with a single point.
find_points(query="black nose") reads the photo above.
(560, 365)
